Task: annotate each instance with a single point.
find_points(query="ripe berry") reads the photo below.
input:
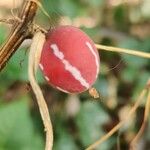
(69, 60)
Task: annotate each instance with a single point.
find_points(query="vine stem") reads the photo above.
(33, 62)
(121, 123)
(122, 50)
(135, 140)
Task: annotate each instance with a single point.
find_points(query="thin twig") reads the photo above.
(122, 50)
(118, 141)
(34, 57)
(134, 142)
(121, 123)
(10, 21)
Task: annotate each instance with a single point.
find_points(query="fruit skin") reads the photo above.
(69, 59)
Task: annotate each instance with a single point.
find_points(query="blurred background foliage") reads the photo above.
(79, 120)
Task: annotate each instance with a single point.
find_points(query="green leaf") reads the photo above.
(120, 17)
(64, 140)
(69, 8)
(145, 45)
(89, 122)
(129, 74)
(17, 69)
(101, 85)
(140, 84)
(133, 61)
(16, 128)
(95, 2)
(90, 31)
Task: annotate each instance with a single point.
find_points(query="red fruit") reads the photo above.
(69, 60)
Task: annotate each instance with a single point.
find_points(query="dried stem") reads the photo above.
(121, 123)
(8, 21)
(34, 57)
(20, 31)
(134, 142)
(122, 50)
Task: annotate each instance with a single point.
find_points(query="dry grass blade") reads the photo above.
(122, 50)
(134, 142)
(34, 56)
(121, 123)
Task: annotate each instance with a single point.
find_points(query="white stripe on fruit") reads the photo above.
(41, 66)
(95, 56)
(47, 78)
(62, 89)
(73, 70)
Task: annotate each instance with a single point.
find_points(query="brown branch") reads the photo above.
(20, 31)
